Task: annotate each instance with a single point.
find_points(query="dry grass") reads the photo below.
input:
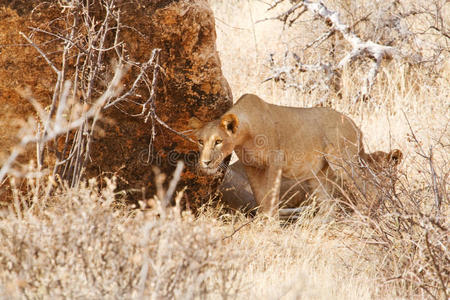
(79, 243)
(82, 244)
(408, 109)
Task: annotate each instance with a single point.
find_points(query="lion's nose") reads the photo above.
(206, 162)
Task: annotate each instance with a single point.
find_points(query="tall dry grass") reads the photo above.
(405, 246)
(82, 243)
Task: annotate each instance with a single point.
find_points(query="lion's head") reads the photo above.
(380, 160)
(216, 141)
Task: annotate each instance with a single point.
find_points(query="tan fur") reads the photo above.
(381, 160)
(317, 147)
(229, 123)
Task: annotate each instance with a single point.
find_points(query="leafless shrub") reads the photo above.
(409, 224)
(58, 125)
(89, 35)
(361, 38)
(78, 243)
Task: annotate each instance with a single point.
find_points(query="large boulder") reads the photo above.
(190, 84)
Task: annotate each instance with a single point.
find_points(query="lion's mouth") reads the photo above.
(208, 170)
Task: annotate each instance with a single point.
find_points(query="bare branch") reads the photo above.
(57, 128)
(131, 91)
(238, 229)
(284, 16)
(275, 4)
(161, 122)
(173, 184)
(50, 63)
(360, 49)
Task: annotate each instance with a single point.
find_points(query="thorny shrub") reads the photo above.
(78, 243)
(407, 234)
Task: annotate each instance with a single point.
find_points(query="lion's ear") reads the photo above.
(230, 123)
(195, 123)
(395, 157)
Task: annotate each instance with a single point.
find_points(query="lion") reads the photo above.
(236, 192)
(317, 147)
(380, 161)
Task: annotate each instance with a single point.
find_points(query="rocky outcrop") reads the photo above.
(191, 83)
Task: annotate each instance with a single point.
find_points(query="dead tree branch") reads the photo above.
(86, 39)
(58, 125)
(360, 49)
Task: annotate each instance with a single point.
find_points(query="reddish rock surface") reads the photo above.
(192, 84)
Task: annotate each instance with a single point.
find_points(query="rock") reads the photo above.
(20, 68)
(192, 84)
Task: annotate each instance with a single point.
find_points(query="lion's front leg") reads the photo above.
(265, 183)
(265, 189)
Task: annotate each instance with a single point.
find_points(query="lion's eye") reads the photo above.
(218, 142)
(200, 142)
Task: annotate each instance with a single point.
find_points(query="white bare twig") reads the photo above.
(85, 38)
(173, 184)
(133, 88)
(49, 62)
(59, 126)
(360, 48)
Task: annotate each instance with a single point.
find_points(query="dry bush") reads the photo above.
(359, 39)
(79, 243)
(404, 240)
(403, 225)
(82, 46)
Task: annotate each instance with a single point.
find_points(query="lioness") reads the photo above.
(315, 146)
(237, 193)
(377, 167)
